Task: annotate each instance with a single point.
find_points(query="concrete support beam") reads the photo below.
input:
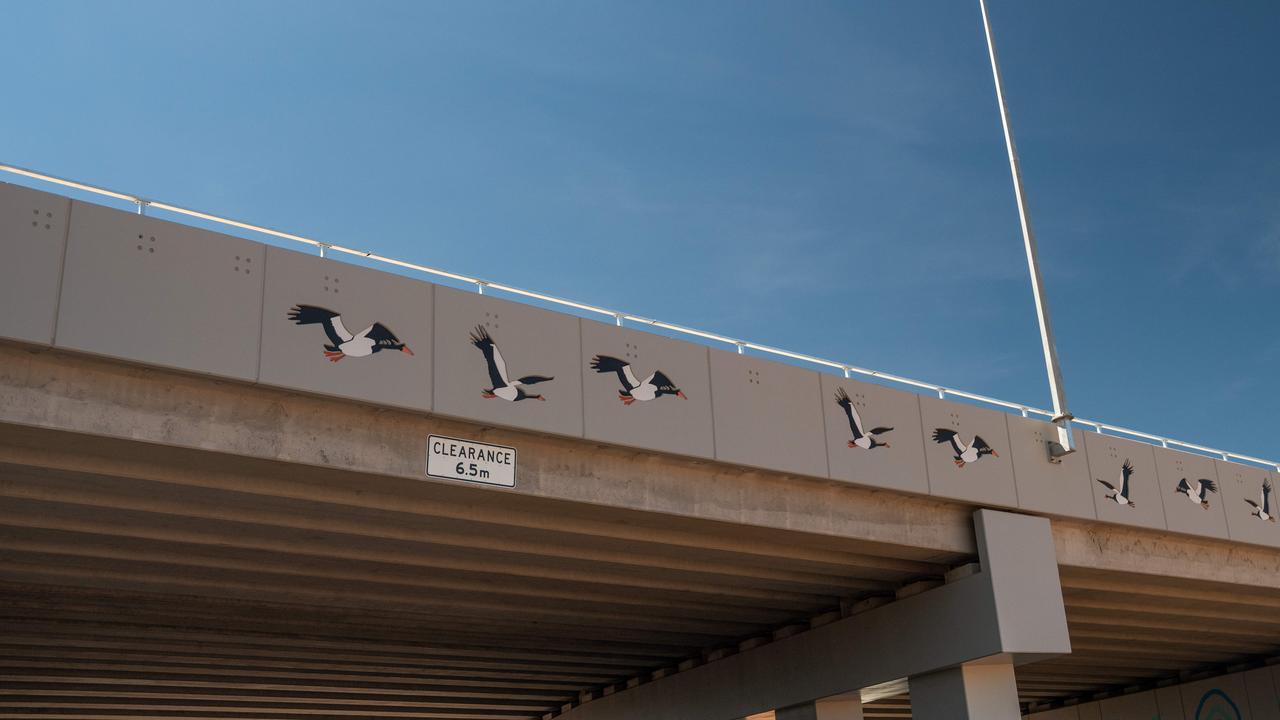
(1010, 612)
(973, 691)
(843, 708)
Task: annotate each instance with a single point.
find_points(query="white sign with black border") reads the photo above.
(457, 459)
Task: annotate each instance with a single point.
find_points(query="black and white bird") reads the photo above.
(964, 454)
(342, 342)
(654, 386)
(862, 438)
(503, 388)
(1120, 496)
(1198, 491)
(1263, 511)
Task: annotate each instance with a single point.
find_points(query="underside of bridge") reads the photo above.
(156, 564)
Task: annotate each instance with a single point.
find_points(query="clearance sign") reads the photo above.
(456, 459)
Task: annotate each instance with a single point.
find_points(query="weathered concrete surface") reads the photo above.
(42, 388)
(51, 389)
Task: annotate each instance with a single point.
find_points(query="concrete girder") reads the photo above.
(1010, 612)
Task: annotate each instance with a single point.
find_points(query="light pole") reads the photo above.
(1062, 417)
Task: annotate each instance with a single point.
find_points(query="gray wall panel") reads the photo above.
(293, 355)
(1107, 455)
(989, 480)
(1169, 703)
(667, 423)
(143, 289)
(532, 341)
(1089, 711)
(901, 465)
(1139, 706)
(1180, 513)
(33, 231)
(1215, 697)
(767, 414)
(1238, 482)
(1263, 700)
(1059, 489)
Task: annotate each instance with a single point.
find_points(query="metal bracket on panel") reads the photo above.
(1065, 444)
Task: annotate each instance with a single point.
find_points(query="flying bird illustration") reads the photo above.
(865, 439)
(1263, 511)
(1197, 492)
(1121, 496)
(510, 390)
(654, 386)
(964, 454)
(342, 343)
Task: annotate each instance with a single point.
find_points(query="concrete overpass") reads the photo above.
(202, 516)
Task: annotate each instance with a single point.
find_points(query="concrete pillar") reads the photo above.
(842, 708)
(974, 691)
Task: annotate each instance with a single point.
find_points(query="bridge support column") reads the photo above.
(829, 709)
(973, 691)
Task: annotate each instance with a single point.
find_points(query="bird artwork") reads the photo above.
(342, 342)
(503, 387)
(656, 385)
(964, 453)
(862, 438)
(1197, 491)
(1263, 511)
(1120, 495)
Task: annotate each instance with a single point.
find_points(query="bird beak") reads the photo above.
(406, 349)
(995, 454)
(680, 394)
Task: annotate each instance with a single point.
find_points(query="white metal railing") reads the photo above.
(848, 370)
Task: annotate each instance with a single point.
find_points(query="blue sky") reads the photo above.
(825, 177)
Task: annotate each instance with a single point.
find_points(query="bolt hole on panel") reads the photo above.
(646, 391)
(967, 453)
(873, 435)
(347, 331)
(1126, 488)
(506, 363)
(1051, 488)
(138, 288)
(33, 231)
(767, 414)
(1191, 492)
(1249, 498)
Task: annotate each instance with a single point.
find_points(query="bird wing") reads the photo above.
(943, 435)
(330, 320)
(533, 379)
(1184, 486)
(1206, 487)
(880, 430)
(497, 367)
(1266, 496)
(662, 382)
(1126, 471)
(1108, 485)
(381, 335)
(606, 363)
(335, 324)
(978, 442)
(855, 421)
